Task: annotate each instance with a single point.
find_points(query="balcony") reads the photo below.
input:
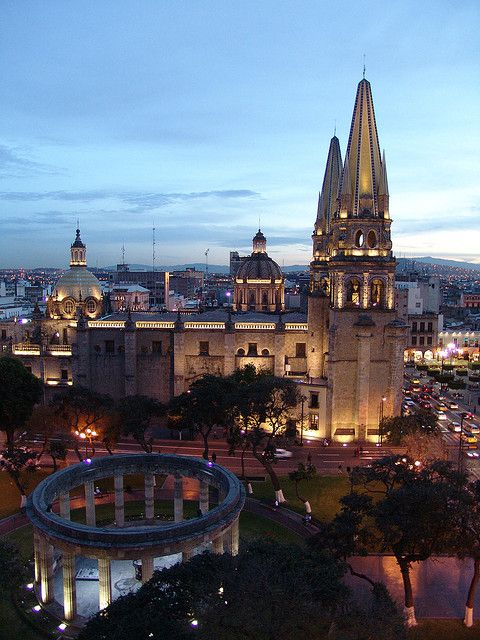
(26, 349)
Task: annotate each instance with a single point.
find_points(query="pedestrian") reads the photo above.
(340, 468)
(214, 457)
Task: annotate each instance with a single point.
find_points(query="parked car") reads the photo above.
(453, 405)
(455, 426)
(441, 416)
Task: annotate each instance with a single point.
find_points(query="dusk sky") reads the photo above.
(200, 117)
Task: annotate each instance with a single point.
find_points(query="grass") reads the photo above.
(323, 493)
(10, 502)
(443, 630)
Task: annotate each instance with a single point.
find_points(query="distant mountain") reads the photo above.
(442, 262)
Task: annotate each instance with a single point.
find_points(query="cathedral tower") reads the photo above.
(364, 365)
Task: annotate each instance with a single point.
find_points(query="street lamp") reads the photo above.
(303, 398)
(380, 419)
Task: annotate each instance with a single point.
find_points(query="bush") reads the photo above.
(462, 372)
(444, 378)
(448, 367)
(475, 366)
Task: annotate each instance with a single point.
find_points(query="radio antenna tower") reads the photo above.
(153, 248)
(206, 262)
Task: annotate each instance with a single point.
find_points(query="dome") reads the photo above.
(259, 267)
(78, 283)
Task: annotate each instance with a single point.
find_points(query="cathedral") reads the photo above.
(346, 352)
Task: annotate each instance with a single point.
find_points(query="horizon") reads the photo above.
(209, 123)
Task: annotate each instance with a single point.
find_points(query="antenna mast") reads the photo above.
(206, 263)
(153, 248)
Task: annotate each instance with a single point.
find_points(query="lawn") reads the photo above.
(323, 493)
(444, 630)
(10, 502)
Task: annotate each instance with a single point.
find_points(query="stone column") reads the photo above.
(36, 555)
(364, 337)
(178, 361)
(104, 583)
(90, 503)
(178, 498)
(279, 345)
(147, 568)
(65, 505)
(187, 554)
(231, 538)
(217, 544)
(69, 587)
(46, 571)
(149, 498)
(229, 352)
(119, 500)
(203, 497)
(130, 356)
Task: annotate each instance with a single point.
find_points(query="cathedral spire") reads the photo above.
(78, 252)
(363, 171)
(328, 196)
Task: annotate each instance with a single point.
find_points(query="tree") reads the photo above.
(19, 392)
(303, 473)
(468, 540)
(204, 407)
(13, 569)
(394, 429)
(83, 413)
(263, 407)
(135, 415)
(57, 450)
(424, 447)
(15, 461)
(415, 514)
(268, 592)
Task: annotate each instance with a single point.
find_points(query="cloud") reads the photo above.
(14, 165)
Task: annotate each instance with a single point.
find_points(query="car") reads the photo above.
(415, 381)
(441, 407)
(474, 428)
(472, 454)
(409, 402)
(455, 426)
(452, 405)
(424, 396)
(425, 405)
(416, 388)
(470, 440)
(441, 416)
(282, 454)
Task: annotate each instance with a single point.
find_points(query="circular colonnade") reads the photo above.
(55, 533)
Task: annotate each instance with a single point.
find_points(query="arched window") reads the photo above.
(91, 306)
(69, 307)
(359, 238)
(265, 352)
(240, 352)
(371, 239)
(252, 300)
(376, 292)
(353, 292)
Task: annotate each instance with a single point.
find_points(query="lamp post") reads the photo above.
(380, 419)
(88, 434)
(460, 457)
(303, 398)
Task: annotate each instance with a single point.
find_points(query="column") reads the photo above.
(217, 544)
(104, 582)
(149, 498)
(229, 352)
(279, 354)
(364, 337)
(147, 568)
(203, 498)
(187, 554)
(90, 503)
(178, 498)
(46, 571)
(65, 505)
(119, 500)
(36, 555)
(69, 587)
(130, 356)
(231, 539)
(178, 362)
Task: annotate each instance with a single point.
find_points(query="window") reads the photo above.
(300, 350)
(241, 352)
(422, 340)
(64, 374)
(429, 340)
(69, 307)
(353, 292)
(430, 327)
(65, 336)
(265, 352)
(313, 400)
(314, 422)
(109, 346)
(252, 349)
(371, 239)
(414, 327)
(203, 348)
(28, 368)
(4, 334)
(91, 306)
(156, 346)
(414, 341)
(359, 239)
(422, 326)
(376, 292)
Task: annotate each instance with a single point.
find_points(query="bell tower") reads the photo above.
(364, 364)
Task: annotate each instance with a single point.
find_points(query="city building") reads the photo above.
(157, 283)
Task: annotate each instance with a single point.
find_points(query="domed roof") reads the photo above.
(259, 267)
(78, 283)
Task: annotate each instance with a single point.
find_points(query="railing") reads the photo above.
(296, 326)
(26, 349)
(59, 349)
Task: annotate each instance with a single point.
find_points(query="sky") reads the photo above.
(206, 118)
